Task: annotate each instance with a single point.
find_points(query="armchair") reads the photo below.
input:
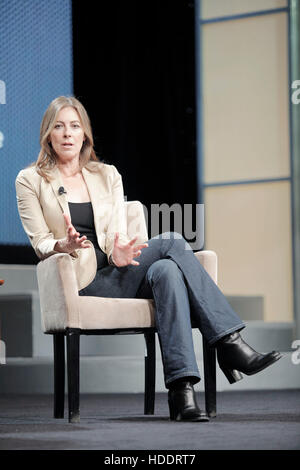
(66, 314)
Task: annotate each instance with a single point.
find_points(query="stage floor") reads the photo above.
(266, 420)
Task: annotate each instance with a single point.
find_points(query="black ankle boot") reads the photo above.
(236, 356)
(182, 403)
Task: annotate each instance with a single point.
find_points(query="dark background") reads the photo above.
(134, 71)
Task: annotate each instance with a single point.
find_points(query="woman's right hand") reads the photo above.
(73, 241)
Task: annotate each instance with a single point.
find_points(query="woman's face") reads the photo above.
(67, 135)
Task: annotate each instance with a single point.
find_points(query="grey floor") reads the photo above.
(266, 420)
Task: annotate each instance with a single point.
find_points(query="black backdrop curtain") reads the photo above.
(134, 71)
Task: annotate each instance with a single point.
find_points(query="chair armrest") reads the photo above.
(58, 293)
(209, 261)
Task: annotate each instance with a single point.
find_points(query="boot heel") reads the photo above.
(232, 375)
(172, 411)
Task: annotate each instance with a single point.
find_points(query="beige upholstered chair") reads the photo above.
(65, 313)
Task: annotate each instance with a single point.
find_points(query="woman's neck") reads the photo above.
(69, 169)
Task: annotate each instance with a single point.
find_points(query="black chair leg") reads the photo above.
(209, 359)
(149, 397)
(59, 374)
(73, 340)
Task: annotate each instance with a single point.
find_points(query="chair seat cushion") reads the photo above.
(110, 313)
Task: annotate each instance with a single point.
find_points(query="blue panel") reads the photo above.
(35, 67)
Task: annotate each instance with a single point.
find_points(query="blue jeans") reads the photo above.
(184, 295)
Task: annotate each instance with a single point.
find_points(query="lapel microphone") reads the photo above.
(61, 190)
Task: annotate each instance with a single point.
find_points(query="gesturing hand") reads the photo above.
(73, 241)
(123, 254)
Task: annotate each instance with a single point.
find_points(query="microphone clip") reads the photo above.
(61, 190)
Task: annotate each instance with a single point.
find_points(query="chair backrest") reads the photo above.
(136, 222)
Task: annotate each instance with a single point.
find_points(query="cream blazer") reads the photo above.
(41, 209)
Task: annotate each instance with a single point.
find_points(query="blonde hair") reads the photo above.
(47, 157)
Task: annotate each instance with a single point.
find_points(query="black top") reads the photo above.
(82, 217)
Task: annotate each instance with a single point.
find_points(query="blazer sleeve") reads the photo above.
(118, 219)
(31, 215)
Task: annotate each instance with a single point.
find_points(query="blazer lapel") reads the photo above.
(101, 199)
(57, 183)
(91, 183)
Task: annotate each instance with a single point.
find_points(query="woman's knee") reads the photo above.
(178, 240)
(163, 268)
(171, 241)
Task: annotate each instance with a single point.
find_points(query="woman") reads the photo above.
(69, 202)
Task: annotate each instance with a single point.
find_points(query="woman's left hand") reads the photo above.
(122, 255)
